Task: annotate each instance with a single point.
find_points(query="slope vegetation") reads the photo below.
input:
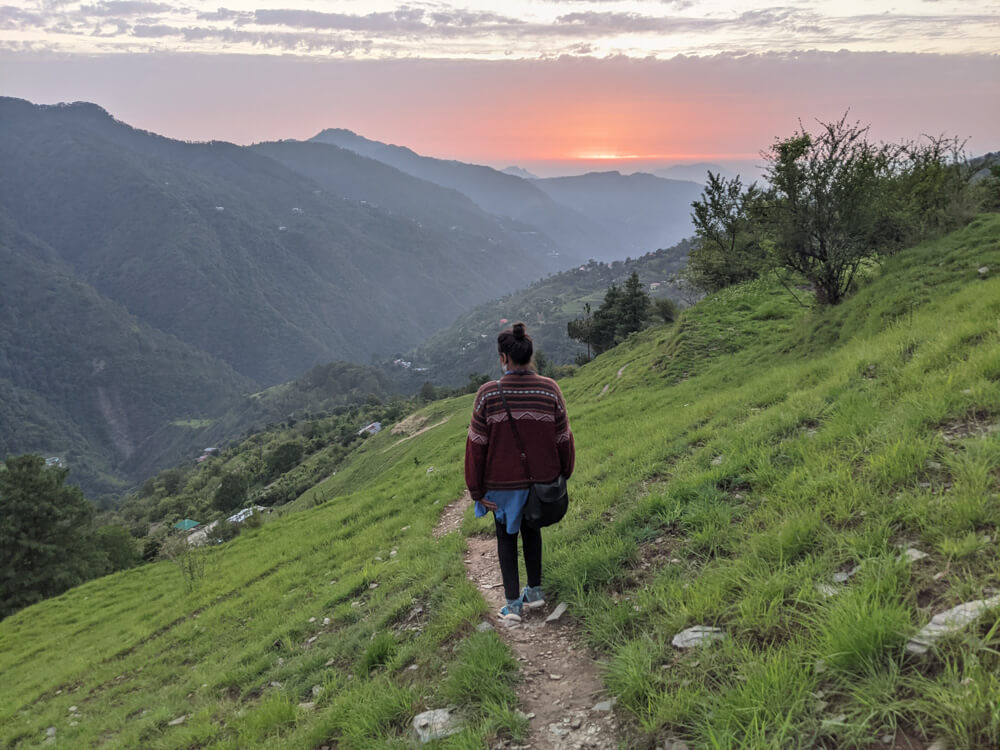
(760, 468)
(469, 344)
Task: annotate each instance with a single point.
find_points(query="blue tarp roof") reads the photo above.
(186, 524)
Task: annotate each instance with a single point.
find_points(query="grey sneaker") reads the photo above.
(533, 597)
(511, 612)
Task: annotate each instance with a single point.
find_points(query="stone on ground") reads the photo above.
(435, 725)
(949, 621)
(699, 635)
(558, 612)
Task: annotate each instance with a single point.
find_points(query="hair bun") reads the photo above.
(518, 330)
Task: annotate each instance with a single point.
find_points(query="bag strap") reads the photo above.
(517, 436)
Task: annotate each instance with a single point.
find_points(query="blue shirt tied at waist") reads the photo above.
(510, 508)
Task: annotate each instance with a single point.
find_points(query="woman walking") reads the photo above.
(495, 471)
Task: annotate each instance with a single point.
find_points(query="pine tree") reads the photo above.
(46, 534)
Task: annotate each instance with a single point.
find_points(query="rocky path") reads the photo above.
(561, 692)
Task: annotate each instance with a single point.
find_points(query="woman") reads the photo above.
(494, 470)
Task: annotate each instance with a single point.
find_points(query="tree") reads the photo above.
(427, 391)
(834, 201)
(729, 247)
(542, 363)
(633, 307)
(605, 321)
(46, 542)
(173, 480)
(828, 205)
(284, 458)
(666, 308)
(118, 547)
(231, 492)
(582, 329)
(625, 309)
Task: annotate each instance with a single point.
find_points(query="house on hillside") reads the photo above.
(199, 536)
(241, 516)
(186, 525)
(371, 429)
(53, 461)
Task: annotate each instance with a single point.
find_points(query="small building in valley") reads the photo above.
(371, 429)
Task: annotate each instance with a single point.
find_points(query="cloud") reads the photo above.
(120, 8)
(224, 14)
(405, 20)
(436, 28)
(12, 17)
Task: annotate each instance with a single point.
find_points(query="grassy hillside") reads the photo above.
(726, 467)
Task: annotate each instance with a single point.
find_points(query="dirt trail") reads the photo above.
(561, 691)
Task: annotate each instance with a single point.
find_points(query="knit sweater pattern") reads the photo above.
(492, 456)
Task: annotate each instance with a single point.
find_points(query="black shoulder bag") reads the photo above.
(547, 501)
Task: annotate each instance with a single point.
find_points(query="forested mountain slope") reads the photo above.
(231, 251)
(83, 380)
(344, 173)
(469, 344)
(760, 468)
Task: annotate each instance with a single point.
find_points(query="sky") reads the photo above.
(556, 86)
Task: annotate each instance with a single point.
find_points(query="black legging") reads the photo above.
(531, 540)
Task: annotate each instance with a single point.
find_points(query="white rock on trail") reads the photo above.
(177, 722)
(827, 589)
(435, 724)
(949, 621)
(558, 612)
(846, 575)
(699, 635)
(914, 555)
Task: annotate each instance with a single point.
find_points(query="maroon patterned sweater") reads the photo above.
(492, 458)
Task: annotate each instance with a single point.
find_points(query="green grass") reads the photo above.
(747, 454)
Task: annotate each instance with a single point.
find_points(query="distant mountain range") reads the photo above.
(697, 172)
(519, 172)
(602, 215)
(150, 284)
(641, 211)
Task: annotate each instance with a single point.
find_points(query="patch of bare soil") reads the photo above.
(410, 425)
(975, 424)
(412, 435)
(561, 693)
